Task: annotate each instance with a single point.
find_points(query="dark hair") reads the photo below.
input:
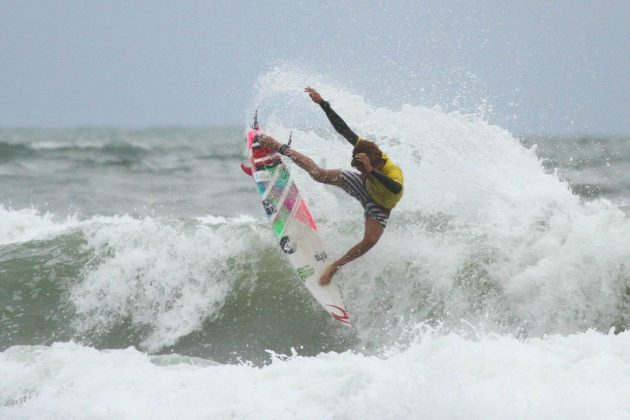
(369, 148)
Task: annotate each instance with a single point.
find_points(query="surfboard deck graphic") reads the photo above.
(292, 224)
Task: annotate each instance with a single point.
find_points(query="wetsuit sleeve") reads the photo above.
(389, 183)
(340, 125)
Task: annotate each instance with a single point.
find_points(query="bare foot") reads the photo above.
(328, 275)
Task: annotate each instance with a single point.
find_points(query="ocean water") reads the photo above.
(139, 278)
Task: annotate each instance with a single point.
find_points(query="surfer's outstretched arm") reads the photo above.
(319, 174)
(337, 122)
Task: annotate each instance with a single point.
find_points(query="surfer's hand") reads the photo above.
(315, 96)
(364, 161)
(269, 143)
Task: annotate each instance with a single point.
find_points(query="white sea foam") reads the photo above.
(582, 376)
(219, 220)
(167, 277)
(54, 145)
(28, 224)
(482, 233)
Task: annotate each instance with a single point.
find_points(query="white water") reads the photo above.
(28, 224)
(583, 376)
(167, 276)
(482, 232)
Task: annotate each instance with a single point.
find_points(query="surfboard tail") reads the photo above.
(340, 314)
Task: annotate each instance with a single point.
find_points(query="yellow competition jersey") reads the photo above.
(378, 192)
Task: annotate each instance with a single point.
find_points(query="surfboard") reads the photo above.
(292, 223)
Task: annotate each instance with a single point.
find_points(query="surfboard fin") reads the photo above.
(255, 124)
(246, 169)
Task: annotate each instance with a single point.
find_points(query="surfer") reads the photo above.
(378, 184)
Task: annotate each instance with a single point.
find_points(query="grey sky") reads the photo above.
(542, 66)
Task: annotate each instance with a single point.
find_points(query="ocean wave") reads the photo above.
(29, 224)
(218, 287)
(42, 147)
(438, 376)
(166, 278)
(483, 236)
(96, 151)
(157, 283)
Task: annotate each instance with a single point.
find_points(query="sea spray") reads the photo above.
(483, 232)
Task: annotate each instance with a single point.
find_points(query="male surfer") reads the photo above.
(378, 185)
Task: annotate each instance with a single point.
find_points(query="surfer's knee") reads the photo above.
(370, 241)
(318, 174)
(327, 176)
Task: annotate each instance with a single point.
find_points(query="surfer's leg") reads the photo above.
(373, 232)
(319, 174)
(328, 176)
